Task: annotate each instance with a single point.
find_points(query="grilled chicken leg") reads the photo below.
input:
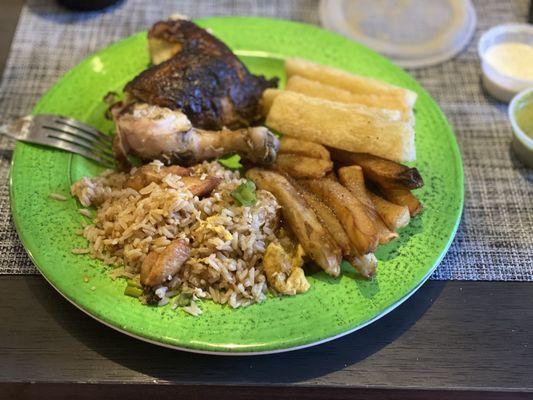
(151, 132)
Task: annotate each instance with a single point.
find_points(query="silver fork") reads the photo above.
(62, 133)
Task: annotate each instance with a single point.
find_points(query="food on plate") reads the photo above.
(395, 216)
(314, 238)
(202, 78)
(184, 224)
(385, 173)
(340, 125)
(366, 264)
(352, 178)
(403, 197)
(284, 271)
(358, 225)
(383, 114)
(345, 80)
(226, 240)
(329, 220)
(152, 132)
(321, 90)
(289, 145)
(299, 166)
(158, 266)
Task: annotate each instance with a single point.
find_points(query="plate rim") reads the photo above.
(459, 175)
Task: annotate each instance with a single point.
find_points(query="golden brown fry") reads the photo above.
(329, 220)
(305, 148)
(360, 228)
(403, 197)
(385, 173)
(314, 238)
(385, 235)
(352, 178)
(366, 265)
(303, 167)
(394, 216)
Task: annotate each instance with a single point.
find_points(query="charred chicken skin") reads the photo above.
(199, 75)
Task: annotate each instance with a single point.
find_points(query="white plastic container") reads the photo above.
(522, 143)
(503, 87)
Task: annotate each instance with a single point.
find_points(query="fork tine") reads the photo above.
(81, 126)
(77, 136)
(66, 143)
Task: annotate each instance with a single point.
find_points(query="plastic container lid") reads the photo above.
(413, 33)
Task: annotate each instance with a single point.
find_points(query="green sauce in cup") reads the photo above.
(524, 116)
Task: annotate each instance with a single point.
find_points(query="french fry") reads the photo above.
(360, 229)
(314, 238)
(366, 265)
(393, 215)
(344, 80)
(329, 220)
(342, 126)
(303, 167)
(403, 197)
(352, 178)
(312, 88)
(385, 173)
(385, 235)
(305, 148)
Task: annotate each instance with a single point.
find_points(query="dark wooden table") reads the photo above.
(451, 340)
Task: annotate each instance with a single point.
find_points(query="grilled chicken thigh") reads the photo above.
(199, 75)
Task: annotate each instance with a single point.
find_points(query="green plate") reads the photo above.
(332, 307)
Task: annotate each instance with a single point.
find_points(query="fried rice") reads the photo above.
(227, 241)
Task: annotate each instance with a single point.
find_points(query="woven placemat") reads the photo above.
(494, 240)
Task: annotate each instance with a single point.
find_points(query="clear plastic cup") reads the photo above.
(501, 86)
(522, 143)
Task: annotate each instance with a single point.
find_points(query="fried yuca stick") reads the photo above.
(393, 215)
(352, 178)
(386, 115)
(345, 80)
(360, 229)
(303, 167)
(385, 173)
(314, 238)
(321, 90)
(289, 145)
(341, 126)
(403, 197)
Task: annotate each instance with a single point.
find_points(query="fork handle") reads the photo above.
(18, 129)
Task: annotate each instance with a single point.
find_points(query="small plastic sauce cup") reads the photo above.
(501, 86)
(522, 143)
